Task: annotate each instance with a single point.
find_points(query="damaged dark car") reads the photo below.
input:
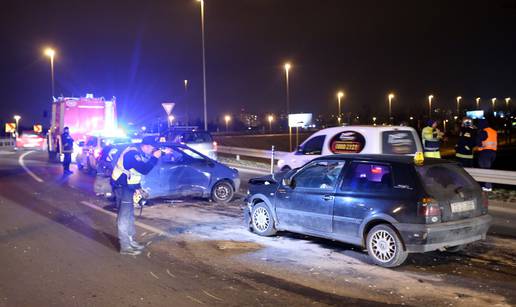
(389, 205)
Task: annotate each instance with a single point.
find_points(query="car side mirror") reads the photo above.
(299, 149)
(289, 182)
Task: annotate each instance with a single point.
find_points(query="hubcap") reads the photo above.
(261, 219)
(222, 191)
(383, 246)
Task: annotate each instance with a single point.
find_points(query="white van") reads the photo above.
(398, 140)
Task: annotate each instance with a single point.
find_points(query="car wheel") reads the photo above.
(455, 249)
(262, 220)
(385, 247)
(222, 192)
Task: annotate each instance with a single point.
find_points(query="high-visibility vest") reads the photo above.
(491, 142)
(430, 141)
(133, 176)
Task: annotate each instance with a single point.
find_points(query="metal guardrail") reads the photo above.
(7, 142)
(492, 175)
(249, 152)
(480, 175)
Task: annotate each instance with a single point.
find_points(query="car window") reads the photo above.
(196, 137)
(313, 146)
(398, 142)
(319, 175)
(190, 153)
(92, 141)
(364, 176)
(172, 155)
(443, 181)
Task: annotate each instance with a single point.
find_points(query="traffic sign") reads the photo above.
(10, 127)
(38, 128)
(168, 106)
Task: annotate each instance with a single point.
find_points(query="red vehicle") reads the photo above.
(82, 115)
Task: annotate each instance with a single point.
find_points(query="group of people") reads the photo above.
(480, 142)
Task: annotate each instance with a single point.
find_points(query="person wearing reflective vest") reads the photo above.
(487, 146)
(66, 148)
(131, 166)
(431, 137)
(466, 143)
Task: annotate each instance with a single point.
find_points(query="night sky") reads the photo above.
(141, 51)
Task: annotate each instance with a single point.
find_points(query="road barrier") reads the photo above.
(7, 143)
(480, 175)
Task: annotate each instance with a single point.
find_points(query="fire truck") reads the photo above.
(82, 115)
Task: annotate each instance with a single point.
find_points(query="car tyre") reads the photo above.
(222, 192)
(385, 246)
(262, 221)
(455, 249)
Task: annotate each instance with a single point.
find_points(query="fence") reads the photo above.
(480, 175)
(7, 143)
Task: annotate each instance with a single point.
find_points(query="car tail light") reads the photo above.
(485, 200)
(429, 207)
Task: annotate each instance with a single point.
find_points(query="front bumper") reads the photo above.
(419, 238)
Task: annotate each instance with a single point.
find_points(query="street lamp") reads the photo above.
(374, 120)
(430, 97)
(204, 67)
(478, 102)
(227, 118)
(493, 101)
(391, 96)
(507, 101)
(340, 94)
(17, 119)
(170, 120)
(270, 118)
(49, 52)
(458, 104)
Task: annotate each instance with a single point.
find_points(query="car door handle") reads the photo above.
(328, 197)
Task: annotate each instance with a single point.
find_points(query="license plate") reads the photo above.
(462, 206)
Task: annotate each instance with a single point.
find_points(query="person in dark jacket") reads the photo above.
(466, 143)
(66, 149)
(131, 166)
(487, 141)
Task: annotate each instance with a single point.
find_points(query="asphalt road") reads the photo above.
(58, 246)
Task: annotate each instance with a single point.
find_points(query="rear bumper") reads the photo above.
(420, 238)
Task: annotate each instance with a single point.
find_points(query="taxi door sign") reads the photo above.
(38, 128)
(347, 142)
(10, 127)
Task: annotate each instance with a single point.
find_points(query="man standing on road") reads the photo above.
(488, 143)
(133, 163)
(431, 137)
(466, 143)
(66, 149)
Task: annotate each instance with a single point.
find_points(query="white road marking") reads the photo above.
(168, 272)
(22, 164)
(154, 275)
(195, 300)
(137, 223)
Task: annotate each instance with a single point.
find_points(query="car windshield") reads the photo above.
(190, 153)
(444, 181)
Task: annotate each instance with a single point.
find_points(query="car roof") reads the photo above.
(402, 159)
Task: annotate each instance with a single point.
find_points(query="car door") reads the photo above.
(366, 189)
(171, 168)
(306, 205)
(195, 174)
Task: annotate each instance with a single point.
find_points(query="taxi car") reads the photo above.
(398, 140)
(388, 204)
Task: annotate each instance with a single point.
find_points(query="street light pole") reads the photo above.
(493, 101)
(430, 97)
(204, 67)
(270, 118)
(458, 105)
(287, 69)
(227, 118)
(51, 53)
(186, 103)
(478, 102)
(339, 97)
(17, 119)
(391, 96)
(507, 101)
